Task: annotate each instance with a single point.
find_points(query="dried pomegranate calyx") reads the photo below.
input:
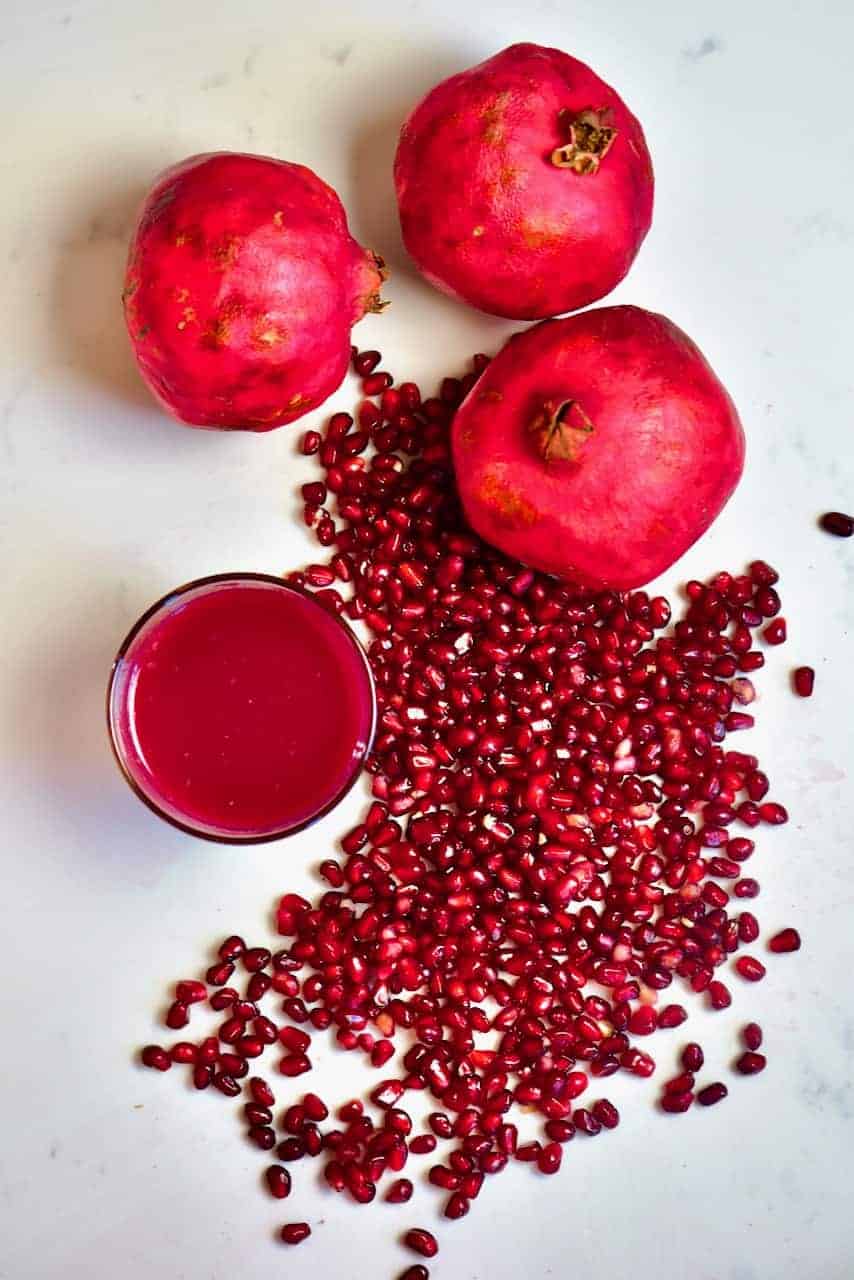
(561, 431)
(374, 303)
(589, 139)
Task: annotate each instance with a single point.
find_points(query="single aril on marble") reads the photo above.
(243, 283)
(598, 447)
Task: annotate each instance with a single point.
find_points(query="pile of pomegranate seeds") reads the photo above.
(555, 816)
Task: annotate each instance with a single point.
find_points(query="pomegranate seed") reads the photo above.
(749, 1064)
(153, 1056)
(399, 1192)
(680, 1084)
(719, 995)
(259, 984)
(262, 1136)
(231, 947)
(293, 1039)
(752, 1035)
(278, 1181)
(294, 1064)
(748, 928)
(750, 968)
(291, 1149)
(457, 1205)
(676, 1103)
(549, 1159)
(295, 1232)
(311, 442)
(445, 1178)
(560, 1130)
(837, 523)
(785, 940)
(692, 1057)
(672, 1015)
(712, 1093)
(421, 1242)
(606, 1113)
(586, 1122)
(190, 992)
(256, 958)
(643, 1021)
(365, 362)
(775, 632)
(226, 1084)
(177, 1016)
(202, 1075)
(440, 1124)
(223, 998)
(415, 1273)
(803, 679)
(314, 1107)
(256, 1114)
(219, 974)
(423, 1144)
(774, 814)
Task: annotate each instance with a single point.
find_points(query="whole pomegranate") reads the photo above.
(524, 184)
(242, 285)
(598, 447)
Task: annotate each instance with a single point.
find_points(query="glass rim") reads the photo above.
(159, 605)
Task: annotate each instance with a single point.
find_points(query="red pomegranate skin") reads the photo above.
(485, 211)
(598, 447)
(242, 285)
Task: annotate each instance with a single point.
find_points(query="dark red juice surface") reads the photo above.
(241, 708)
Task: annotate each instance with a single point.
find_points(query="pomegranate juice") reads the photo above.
(240, 709)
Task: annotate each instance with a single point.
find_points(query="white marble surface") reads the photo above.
(107, 1171)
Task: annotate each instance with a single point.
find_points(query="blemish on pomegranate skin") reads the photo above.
(508, 506)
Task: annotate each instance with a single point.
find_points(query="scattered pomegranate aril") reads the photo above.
(415, 1273)
(423, 1144)
(202, 1075)
(294, 1064)
(803, 679)
(256, 958)
(219, 974)
(153, 1056)
(293, 1039)
(226, 1084)
(786, 940)
(554, 804)
(775, 632)
(606, 1113)
(774, 814)
(190, 991)
(278, 1181)
(457, 1205)
(719, 995)
(672, 1015)
(712, 1093)
(422, 1242)
(837, 523)
(262, 1136)
(749, 1064)
(751, 1034)
(676, 1103)
(295, 1232)
(692, 1057)
(177, 1016)
(750, 968)
(399, 1192)
(256, 1114)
